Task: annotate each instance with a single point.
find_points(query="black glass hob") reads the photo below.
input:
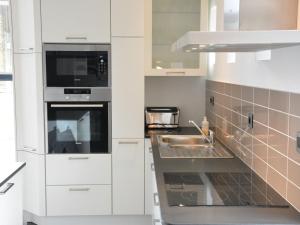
(220, 189)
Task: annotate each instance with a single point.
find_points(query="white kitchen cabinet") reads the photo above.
(128, 87)
(127, 18)
(78, 169)
(26, 26)
(79, 200)
(75, 21)
(33, 182)
(161, 32)
(148, 177)
(29, 102)
(11, 212)
(128, 176)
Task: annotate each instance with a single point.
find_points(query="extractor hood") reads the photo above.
(249, 26)
(236, 41)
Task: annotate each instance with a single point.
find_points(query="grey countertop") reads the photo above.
(211, 214)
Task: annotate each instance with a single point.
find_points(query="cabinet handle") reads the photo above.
(156, 221)
(79, 189)
(176, 73)
(128, 142)
(76, 106)
(8, 187)
(78, 158)
(150, 150)
(152, 167)
(156, 199)
(29, 149)
(76, 38)
(26, 49)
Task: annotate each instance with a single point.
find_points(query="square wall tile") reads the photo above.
(236, 91)
(293, 153)
(294, 126)
(227, 89)
(236, 119)
(278, 141)
(295, 106)
(260, 149)
(293, 195)
(294, 172)
(277, 161)
(246, 156)
(247, 108)
(277, 181)
(261, 96)
(260, 167)
(260, 132)
(278, 121)
(247, 93)
(279, 100)
(261, 114)
(236, 105)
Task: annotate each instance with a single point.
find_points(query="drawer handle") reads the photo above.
(79, 189)
(78, 158)
(128, 142)
(156, 222)
(76, 38)
(150, 150)
(156, 199)
(8, 187)
(152, 167)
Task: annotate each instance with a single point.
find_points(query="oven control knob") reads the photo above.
(67, 97)
(87, 97)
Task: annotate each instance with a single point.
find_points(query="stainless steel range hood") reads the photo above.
(246, 26)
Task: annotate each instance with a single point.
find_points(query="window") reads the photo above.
(7, 137)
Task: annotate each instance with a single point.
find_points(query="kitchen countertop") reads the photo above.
(8, 170)
(211, 214)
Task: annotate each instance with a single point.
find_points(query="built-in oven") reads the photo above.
(78, 127)
(77, 65)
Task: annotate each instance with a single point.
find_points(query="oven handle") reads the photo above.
(76, 106)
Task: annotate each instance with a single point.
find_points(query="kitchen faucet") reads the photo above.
(210, 138)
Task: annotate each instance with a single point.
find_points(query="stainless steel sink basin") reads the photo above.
(189, 146)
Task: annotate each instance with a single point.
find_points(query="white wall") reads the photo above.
(186, 92)
(281, 73)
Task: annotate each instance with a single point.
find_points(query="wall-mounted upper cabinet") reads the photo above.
(127, 18)
(75, 21)
(26, 24)
(166, 20)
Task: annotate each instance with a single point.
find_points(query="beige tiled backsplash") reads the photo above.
(269, 148)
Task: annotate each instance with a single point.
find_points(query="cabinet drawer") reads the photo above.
(79, 200)
(78, 169)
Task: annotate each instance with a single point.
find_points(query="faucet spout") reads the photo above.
(201, 131)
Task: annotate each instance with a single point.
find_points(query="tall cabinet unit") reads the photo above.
(128, 107)
(26, 27)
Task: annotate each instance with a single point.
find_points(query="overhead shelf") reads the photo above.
(236, 41)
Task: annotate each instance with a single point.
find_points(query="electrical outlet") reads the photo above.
(212, 100)
(298, 141)
(250, 120)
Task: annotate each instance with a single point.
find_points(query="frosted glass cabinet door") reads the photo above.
(168, 20)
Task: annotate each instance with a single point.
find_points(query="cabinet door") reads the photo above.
(29, 102)
(128, 88)
(128, 177)
(26, 26)
(33, 182)
(167, 21)
(148, 177)
(127, 18)
(76, 21)
(11, 211)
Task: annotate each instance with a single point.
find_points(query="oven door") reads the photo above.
(77, 65)
(78, 128)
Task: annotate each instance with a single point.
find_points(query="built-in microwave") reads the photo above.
(77, 65)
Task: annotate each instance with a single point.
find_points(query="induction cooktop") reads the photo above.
(220, 189)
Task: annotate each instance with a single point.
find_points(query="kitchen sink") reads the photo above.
(190, 146)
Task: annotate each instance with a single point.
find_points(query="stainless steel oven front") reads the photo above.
(78, 127)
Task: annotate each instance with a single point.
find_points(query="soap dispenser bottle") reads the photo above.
(205, 126)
